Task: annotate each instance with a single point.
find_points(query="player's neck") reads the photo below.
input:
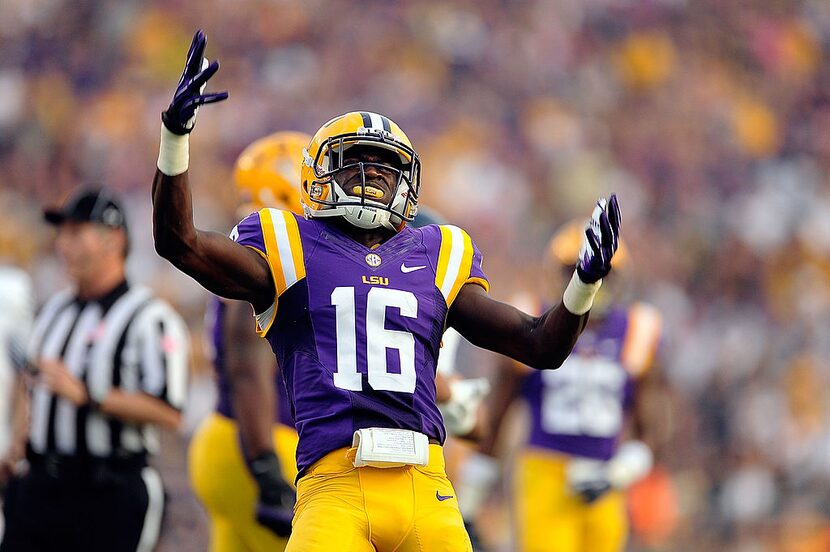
(367, 237)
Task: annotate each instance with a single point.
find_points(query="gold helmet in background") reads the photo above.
(562, 255)
(563, 248)
(267, 172)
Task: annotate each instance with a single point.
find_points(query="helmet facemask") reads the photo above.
(364, 209)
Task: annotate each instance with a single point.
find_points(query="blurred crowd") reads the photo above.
(709, 118)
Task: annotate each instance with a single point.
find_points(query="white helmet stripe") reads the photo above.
(377, 121)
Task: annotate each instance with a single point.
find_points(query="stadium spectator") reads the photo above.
(587, 441)
(241, 461)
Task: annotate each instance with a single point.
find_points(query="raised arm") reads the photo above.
(218, 263)
(542, 342)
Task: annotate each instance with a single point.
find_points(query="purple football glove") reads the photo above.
(275, 507)
(601, 241)
(180, 115)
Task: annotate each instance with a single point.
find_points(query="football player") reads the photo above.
(354, 303)
(584, 446)
(238, 440)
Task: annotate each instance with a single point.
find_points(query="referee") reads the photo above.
(108, 362)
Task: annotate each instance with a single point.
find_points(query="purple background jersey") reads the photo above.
(357, 331)
(214, 321)
(579, 409)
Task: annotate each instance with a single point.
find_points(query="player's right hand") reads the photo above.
(602, 236)
(275, 506)
(180, 115)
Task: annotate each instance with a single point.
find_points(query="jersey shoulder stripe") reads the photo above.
(284, 254)
(456, 260)
(283, 247)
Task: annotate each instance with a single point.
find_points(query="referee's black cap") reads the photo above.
(96, 205)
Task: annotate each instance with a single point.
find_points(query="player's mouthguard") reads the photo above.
(369, 191)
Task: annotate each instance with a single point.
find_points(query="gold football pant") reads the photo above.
(223, 484)
(404, 509)
(551, 518)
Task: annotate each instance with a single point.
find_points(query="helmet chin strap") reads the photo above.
(368, 218)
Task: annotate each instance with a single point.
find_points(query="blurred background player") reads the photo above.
(584, 447)
(16, 314)
(242, 456)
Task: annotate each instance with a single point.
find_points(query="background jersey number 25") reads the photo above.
(584, 397)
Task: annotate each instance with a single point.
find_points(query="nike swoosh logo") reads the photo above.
(442, 498)
(407, 269)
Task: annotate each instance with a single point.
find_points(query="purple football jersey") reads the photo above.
(214, 321)
(579, 409)
(357, 331)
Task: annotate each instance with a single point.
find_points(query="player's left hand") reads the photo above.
(588, 478)
(602, 238)
(275, 507)
(180, 115)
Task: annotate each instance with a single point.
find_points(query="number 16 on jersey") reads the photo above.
(377, 301)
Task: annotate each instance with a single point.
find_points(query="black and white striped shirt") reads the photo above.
(127, 339)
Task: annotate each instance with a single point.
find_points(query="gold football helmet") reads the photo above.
(267, 172)
(323, 195)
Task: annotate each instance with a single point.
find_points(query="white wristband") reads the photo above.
(579, 296)
(174, 152)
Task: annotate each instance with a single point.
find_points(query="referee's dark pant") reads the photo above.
(64, 504)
